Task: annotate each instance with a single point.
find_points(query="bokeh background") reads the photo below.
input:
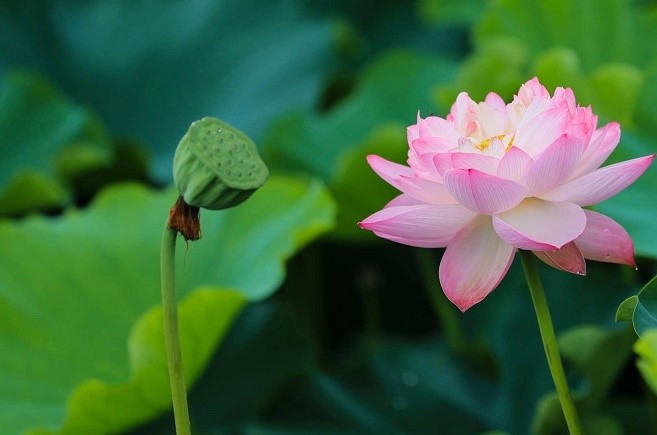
(294, 320)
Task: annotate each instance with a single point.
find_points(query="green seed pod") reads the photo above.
(217, 166)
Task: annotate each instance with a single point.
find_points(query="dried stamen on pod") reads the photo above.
(186, 219)
(217, 166)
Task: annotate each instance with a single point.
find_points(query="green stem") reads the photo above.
(550, 343)
(171, 338)
(443, 308)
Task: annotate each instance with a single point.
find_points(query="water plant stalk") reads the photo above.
(550, 343)
(215, 167)
(171, 335)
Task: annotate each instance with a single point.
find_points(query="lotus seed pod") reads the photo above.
(217, 166)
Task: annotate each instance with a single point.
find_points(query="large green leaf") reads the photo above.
(72, 288)
(266, 346)
(38, 125)
(372, 120)
(369, 28)
(98, 407)
(150, 67)
(641, 309)
(392, 89)
(357, 188)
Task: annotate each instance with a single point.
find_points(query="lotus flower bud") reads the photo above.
(217, 166)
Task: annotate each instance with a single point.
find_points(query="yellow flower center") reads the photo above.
(486, 142)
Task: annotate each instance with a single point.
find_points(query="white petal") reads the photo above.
(474, 263)
(554, 165)
(605, 240)
(388, 170)
(430, 192)
(600, 184)
(482, 192)
(603, 143)
(536, 133)
(427, 226)
(514, 164)
(569, 259)
(537, 225)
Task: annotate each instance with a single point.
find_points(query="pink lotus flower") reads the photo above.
(492, 178)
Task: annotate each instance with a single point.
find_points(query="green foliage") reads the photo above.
(246, 380)
(97, 407)
(397, 387)
(350, 344)
(573, 301)
(441, 12)
(597, 48)
(645, 114)
(502, 64)
(391, 385)
(646, 348)
(357, 187)
(72, 289)
(372, 120)
(598, 355)
(496, 66)
(30, 191)
(150, 68)
(599, 31)
(38, 127)
(393, 89)
(640, 309)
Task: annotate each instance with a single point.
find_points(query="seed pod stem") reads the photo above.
(171, 335)
(215, 167)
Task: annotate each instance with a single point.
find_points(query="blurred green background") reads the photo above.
(294, 321)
